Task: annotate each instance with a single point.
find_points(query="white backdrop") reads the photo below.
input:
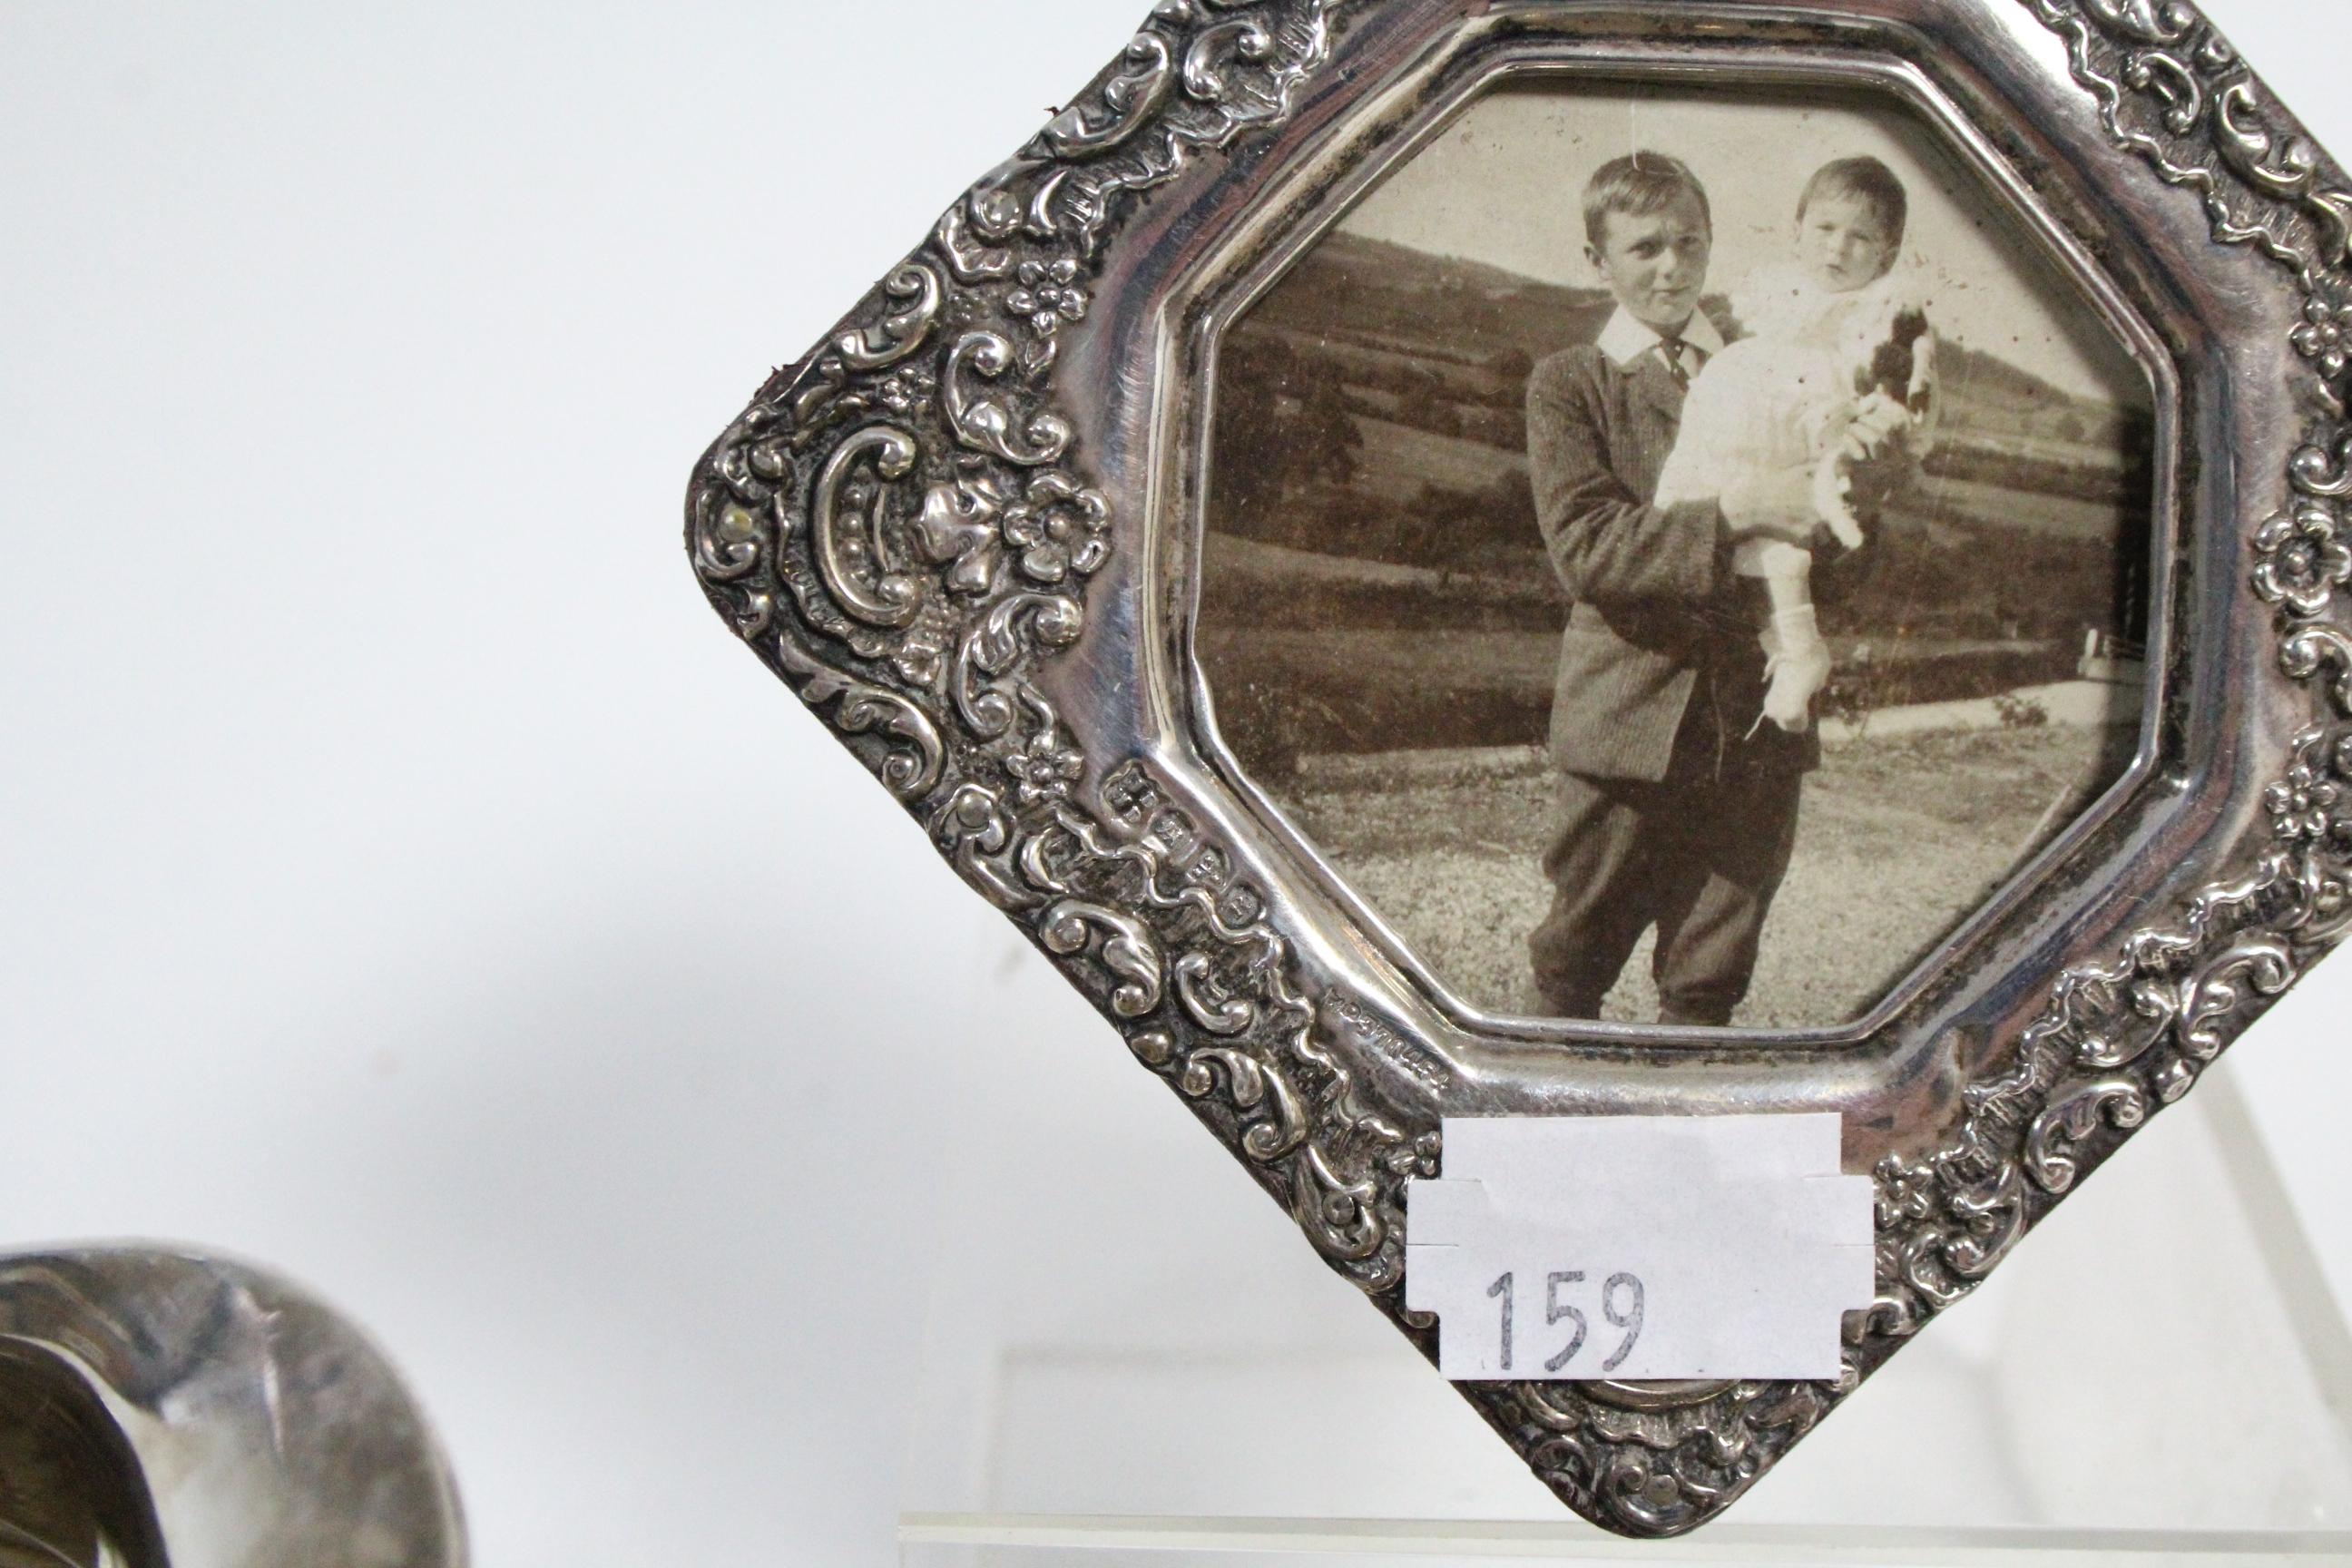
(403, 878)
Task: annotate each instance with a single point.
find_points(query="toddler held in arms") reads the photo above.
(1833, 343)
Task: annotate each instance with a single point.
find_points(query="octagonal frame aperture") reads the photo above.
(1378, 142)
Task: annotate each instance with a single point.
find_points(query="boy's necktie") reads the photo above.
(1682, 360)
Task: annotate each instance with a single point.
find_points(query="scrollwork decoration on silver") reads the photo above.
(1118, 105)
(910, 770)
(2070, 1117)
(2173, 91)
(903, 526)
(989, 425)
(849, 551)
(2119, 1039)
(1240, 62)
(928, 527)
(903, 331)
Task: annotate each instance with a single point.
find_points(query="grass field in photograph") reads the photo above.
(1900, 839)
(1281, 691)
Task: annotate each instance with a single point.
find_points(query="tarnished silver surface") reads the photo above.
(158, 1408)
(965, 529)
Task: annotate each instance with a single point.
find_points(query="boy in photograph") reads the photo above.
(1677, 809)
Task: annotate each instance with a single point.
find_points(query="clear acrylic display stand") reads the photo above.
(1131, 1358)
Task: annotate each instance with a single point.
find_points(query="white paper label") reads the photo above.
(1639, 1247)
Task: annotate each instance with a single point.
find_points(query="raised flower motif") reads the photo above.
(2325, 337)
(2303, 559)
(1045, 767)
(1905, 1192)
(1057, 528)
(2308, 806)
(1047, 296)
(906, 389)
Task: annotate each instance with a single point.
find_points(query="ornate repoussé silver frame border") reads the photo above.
(962, 529)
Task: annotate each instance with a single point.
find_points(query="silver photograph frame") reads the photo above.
(966, 530)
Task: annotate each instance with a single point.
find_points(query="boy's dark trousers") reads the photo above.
(1699, 854)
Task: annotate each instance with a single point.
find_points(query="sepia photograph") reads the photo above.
(1677, 555)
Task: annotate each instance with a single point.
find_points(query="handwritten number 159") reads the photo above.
(1627, 1317)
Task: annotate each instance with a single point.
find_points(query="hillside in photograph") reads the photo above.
(1371, 408)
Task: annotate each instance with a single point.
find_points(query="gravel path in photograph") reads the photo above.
(1899, 840)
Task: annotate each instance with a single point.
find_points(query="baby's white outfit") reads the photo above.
(1766, 403)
